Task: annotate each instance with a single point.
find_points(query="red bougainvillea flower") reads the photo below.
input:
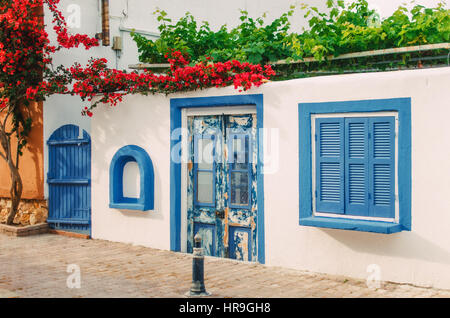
(110, 85)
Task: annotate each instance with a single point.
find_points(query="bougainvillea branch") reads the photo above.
(60, 26)
(110, 85)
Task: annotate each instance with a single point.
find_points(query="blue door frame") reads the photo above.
(176, 105)
(69, 180)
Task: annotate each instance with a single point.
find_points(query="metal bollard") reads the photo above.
(198, 283)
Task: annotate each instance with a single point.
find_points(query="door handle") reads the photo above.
(220, 214)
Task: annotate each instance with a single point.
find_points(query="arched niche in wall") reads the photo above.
(117, 200)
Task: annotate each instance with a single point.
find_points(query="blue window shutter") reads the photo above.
(382, 167)
(356, 166)
(330, 165)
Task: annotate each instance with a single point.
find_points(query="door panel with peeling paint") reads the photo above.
(221, 185)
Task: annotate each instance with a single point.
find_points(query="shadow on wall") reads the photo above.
(31, 164)
(408, 245)
(109, 140)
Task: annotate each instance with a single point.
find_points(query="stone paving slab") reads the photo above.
(37, 266)
(7, 294)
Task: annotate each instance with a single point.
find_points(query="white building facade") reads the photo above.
(407, 240)
(335, 174)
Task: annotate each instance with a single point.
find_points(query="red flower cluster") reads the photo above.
(22, 37)
(110, 85)
(4, 102)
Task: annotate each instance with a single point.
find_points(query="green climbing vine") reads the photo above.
(342, 29)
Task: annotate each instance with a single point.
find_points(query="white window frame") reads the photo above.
(313, 161)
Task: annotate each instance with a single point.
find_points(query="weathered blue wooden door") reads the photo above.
(222, 202)
(69, 180)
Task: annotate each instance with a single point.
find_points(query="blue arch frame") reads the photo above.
(131, 153)
(176, 105)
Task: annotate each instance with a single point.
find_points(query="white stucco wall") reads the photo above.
(421, 256)
(149, 130)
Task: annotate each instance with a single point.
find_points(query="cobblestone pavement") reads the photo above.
(36, 266)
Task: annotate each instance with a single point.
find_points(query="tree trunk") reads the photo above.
(16, 180)
(16, 193)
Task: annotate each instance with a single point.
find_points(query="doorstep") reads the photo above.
(27, 230)
(69, 234)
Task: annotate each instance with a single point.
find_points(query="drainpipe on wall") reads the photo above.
(104, 36)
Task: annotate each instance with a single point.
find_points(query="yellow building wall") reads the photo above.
(31, 164)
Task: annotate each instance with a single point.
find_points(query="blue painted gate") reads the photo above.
(69, 180)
